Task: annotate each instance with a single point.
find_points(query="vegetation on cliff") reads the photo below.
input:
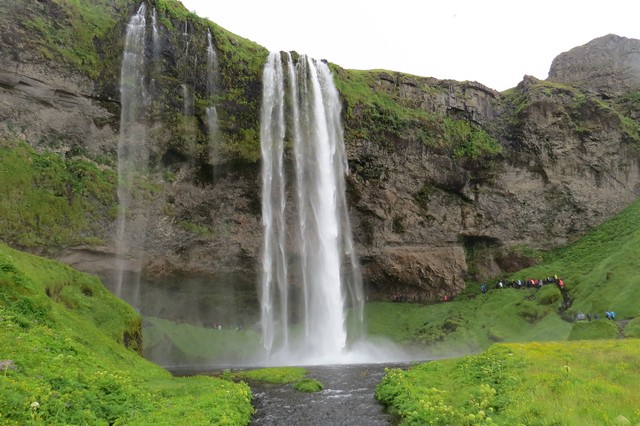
(50, 200)
(69, 355)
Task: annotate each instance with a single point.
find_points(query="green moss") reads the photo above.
(469, 140)
(275, 375)
(49, 201)
(308, 386)
(70, 38)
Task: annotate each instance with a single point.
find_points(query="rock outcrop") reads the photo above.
(609, 66)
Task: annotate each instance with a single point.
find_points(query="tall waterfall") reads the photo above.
(132, 152)
(304, 303)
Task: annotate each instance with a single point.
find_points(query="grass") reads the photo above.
(584, 382)
(274, 375)
(69, 351)
(280, 376)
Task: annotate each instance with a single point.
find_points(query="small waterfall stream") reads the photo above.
(211, 111)
(132, 153)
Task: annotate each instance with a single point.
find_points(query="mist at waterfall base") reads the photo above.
(308, 308)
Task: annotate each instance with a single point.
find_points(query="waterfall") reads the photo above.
(132, 153)
(327, 275)
(155, 35)
(212, 65)
(274, 263)
(211, 111)
(187, 100)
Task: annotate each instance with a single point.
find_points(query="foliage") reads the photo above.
(586, 382)
(49, 201)
(275, 375)
(63, 334)
(308, 386)
(377, 115)
(469, 140)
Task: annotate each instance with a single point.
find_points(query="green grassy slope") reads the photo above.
(569, 383)
(63, 358)
(601, 274)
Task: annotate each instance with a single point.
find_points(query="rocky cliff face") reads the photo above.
(448, 180)
(608, 66)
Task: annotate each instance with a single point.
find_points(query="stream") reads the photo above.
(347, 398)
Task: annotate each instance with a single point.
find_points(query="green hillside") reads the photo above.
(69, 355)
(601, 274)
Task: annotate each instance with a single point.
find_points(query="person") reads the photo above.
(483, 288)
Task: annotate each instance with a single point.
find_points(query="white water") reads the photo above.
(132, 153)
(211, 111)
(155, 36)
(187, 100)
(310, 328)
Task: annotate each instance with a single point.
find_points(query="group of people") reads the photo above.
(533, 283)
(527, 283)
(608, 314)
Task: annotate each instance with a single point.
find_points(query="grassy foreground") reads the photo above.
(63, 358)
(568, 383)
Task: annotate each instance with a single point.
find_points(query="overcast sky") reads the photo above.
(494, 42)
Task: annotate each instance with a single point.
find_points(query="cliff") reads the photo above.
(448, 180)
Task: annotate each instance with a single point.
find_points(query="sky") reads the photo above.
(493, 42)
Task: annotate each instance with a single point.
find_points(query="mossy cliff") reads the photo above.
(447, 179)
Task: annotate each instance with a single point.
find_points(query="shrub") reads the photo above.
(308, 386)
